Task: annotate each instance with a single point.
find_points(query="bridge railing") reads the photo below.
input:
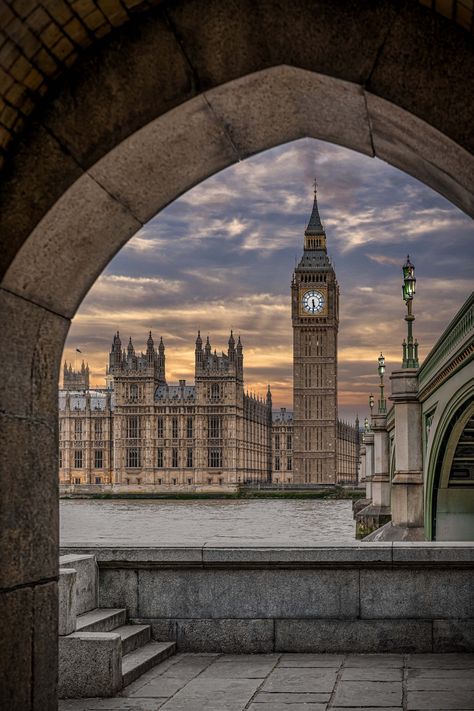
(454, 336)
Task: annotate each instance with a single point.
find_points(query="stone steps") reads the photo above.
(99, 653)
(136, 663)
(133, 637)
(101, 620)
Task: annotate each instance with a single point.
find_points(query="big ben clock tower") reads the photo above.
(315, 319)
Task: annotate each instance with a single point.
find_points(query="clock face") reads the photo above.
(313, 302)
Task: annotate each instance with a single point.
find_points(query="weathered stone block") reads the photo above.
(224, 636)
(276, 105)
(119, 588)
(90, 664)
(16, 633)
(422, 593)
(33, 555)
(124, 91)
(45, 647)
(352, 636)
(145, 171)
(453, 635)
(65, 243)
(67, 600)
(219, 593)
(224, 41)
(342, 554)
(25, 322)
(87, 583)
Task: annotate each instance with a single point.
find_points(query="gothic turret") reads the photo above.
(269, 397)
(207, 348)
(198, 354)
(161, 361)
(150, 350)
(115, 357)
(231, 349)
(239, 358)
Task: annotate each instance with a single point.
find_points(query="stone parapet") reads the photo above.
(330, 598)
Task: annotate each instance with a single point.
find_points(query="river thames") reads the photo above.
(168, 522)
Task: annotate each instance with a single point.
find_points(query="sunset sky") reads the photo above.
(222, 255)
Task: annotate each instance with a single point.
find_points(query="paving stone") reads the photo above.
(372, 674)
(386, 693)
(442, 684)
(437, 673)
(365, 708)
(188, 667)
(240, 669)
(441, 661)
(372, 661)
(312, 680)
(310, 660)
(443, 700)
(213, 695)
(159, 687)
(277, 706)
(118, 704)
(265, 697)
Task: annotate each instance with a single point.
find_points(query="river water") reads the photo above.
(167, 522)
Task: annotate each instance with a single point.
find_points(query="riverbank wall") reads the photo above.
(107, 491)
(378, 597)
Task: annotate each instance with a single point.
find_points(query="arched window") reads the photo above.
(134, 393)
(215, 391)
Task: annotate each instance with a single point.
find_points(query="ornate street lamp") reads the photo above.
(381, 370)
(366, 424)
(410, 347)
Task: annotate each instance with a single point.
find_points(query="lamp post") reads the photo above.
(410, 347)
(381, 371)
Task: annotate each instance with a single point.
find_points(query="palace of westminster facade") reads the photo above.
(139, 431)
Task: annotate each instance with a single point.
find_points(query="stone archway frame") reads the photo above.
(434, 468)
(110, 201)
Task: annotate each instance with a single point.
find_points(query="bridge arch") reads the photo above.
(199, 84)
(443, 503)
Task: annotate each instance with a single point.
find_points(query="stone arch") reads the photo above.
(445, 439)
(199, 84)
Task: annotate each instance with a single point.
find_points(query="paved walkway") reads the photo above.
(298, 682)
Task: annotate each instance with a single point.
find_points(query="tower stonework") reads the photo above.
(315, 319)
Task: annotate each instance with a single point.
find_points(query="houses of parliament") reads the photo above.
(142, 432)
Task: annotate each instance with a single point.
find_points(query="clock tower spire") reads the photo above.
(315, 319)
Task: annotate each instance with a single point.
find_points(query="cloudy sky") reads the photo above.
(222, 255)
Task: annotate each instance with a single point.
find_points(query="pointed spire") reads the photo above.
(199, 341)
(315, 226)
(161, 346)
(150, 342)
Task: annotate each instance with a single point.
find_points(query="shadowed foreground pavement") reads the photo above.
(298, 682)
